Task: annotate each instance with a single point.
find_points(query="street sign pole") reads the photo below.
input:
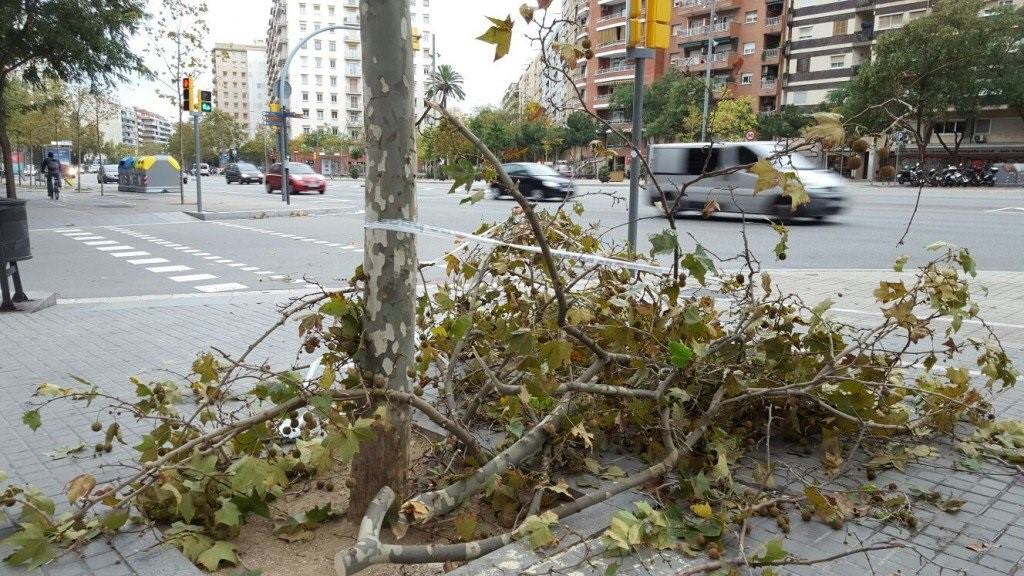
(284, 156)
(639, 56)
(199, 177)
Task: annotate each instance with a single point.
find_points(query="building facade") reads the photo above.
(746, 39)
(121, 127)
(240, 82)
(326, 74)
(152, 128)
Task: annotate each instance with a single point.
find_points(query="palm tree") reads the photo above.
(445, 82)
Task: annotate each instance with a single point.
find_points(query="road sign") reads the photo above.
(299, 115)
(273, 114)
(287, 88)
(901, 136)
(750, 135)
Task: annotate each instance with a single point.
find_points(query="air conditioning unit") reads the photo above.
(980, 138)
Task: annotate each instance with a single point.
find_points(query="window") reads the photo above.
(954, 127)
(352, 69)
(748, 47)
(334, 98)
(426, 3)
(330, 10)
(333, 62)
(305, 79)
(316, 25)
(750, 17)
(305, 96)
(426, 19)
(982, 126)
(747, 78)
(334, 80)
(800, 97)
(426, 36)
(305, 129)
(353, 85)
(316, 8)
(334, 114)
(805, 33)
(353, 102)
(303, 61)
(889, 21)
(803, 64)
(915, 14)
(412, 17)
(332, 46)
(839, 27)
(302, 8)
(305, 112)
(319, 114)
(319, 80)
(319, 96)
(838, 62)
(302, 26)
(319, 62)
(318, 45)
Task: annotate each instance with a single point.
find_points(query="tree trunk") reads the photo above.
(5, 143)
(390, 257)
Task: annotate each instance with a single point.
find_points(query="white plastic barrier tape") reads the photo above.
(426, 230)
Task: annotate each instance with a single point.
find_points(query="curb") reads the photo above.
(259, 214)
(36, 301)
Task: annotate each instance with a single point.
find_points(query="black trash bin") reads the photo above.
(14, 247)
(13, 230)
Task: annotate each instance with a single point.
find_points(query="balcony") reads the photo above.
(719, 61)
(720, 30)
(719, 88)
(862, 5)
(694, 7)
(770, 56)
(351, 21)
(618, 69)
(609, 47)
(863, 37)
(612, 16)
(773, 24)
(603, 97)
(769, 85)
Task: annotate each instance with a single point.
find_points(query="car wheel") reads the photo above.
(537, 194)
(323, 190)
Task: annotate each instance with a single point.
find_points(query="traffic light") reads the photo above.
(659, 12)
(205, 101)
(415, 39)
(634, 28)
(188, 93)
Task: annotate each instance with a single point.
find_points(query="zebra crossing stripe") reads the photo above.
(193, 278)
(149, 261)
(163, 269)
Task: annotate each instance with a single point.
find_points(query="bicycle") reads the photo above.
(53, 186)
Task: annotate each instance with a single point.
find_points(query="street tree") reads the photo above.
(580, 131)
(445, 83)
(788, 122)
(669, 105)
(89, 46)
(696, 366)
(919, 89)
(731, 118)
(498, 129)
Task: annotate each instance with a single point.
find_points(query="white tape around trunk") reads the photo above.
(426, 230)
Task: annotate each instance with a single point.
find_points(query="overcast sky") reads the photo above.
(456, 24)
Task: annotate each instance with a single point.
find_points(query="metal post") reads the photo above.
(707, 74)
(634, 153)
(199, 177)
(284, 156)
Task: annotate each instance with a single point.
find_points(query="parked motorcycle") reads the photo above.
(911, 176)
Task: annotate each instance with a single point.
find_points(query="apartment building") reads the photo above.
(326, 74)
(240, 82)
(152, 128)
(746, 39)
(829, 40)
(121, 127)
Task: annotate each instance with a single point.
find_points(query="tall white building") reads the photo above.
(326, 75)
(240, 82)
(121, 127)
(152, 127)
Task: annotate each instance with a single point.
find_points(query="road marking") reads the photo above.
(191, 251)
(322, 242)
(263, 272)
(1007, 209)
(181, 247)
(250, 268)
(193, 278)
(75, 234)
(70, 230)
(149, 261)
(236, 265)
(84, 238)
(111, 248)
(309, 240)
(162, 242)
(127, 254)
(210, 288)
(333, 245)
(202, 253)
(101, 242)
(162, 269)
(224, 261)
(210, 257)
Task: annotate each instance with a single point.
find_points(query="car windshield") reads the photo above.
(110, 167)
(299, 168)
(246, 166)
(540, 170)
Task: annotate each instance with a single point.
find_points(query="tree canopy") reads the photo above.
(67, 40)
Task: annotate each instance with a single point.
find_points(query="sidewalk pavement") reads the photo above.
(107, 341)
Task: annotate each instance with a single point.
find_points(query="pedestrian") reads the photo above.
(51, 168)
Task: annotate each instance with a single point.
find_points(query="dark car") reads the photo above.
(243, 173)
(107, 173)
(301, 178)
(536, 181)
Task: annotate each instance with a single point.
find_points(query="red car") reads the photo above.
(301, 178)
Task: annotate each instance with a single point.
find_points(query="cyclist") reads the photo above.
(52, 169)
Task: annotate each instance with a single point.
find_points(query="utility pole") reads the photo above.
(707, 74)
(199, 177)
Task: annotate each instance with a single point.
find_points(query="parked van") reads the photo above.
(676, 165)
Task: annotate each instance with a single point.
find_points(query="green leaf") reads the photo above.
(32, 419)
(522, 342)
(114, 520)
(463, 174)
(465, 526)
(698, 264)
(681, 354)
(461, 326)
(31, 545)
(772, 552)
(900, 263)
(556, 353)
(222, 551)
(472, 198)
(500, 34)
(664, 242)
(612, 569)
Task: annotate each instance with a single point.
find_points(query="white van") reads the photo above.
(678, 165)
(204, 169)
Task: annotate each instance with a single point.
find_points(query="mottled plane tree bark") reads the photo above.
(390, 257)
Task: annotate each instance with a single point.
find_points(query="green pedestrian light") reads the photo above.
(205, 101)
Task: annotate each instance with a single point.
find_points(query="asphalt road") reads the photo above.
(87, 246)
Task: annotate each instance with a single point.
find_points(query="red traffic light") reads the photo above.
(186, 83)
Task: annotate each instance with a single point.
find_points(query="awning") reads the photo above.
(704, 42)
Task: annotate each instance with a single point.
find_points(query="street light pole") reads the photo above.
(707, 74)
